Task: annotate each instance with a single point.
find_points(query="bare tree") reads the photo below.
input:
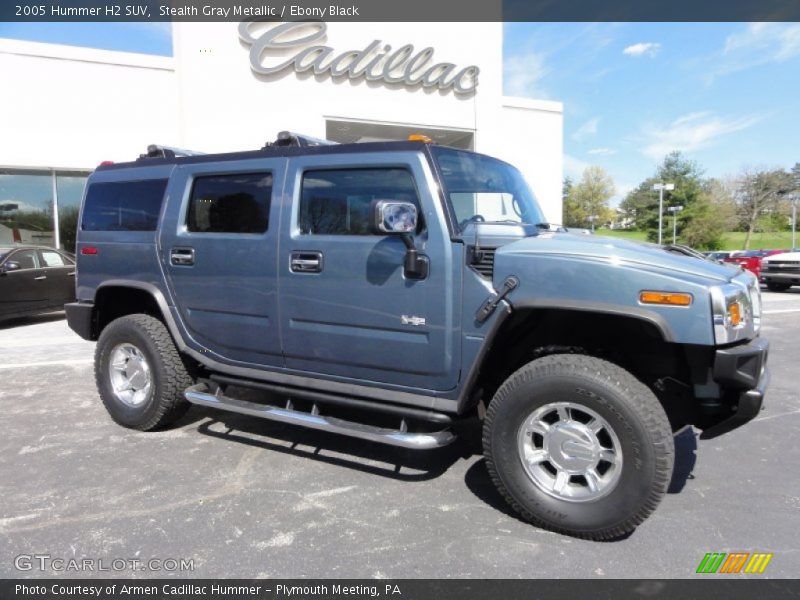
(760, 192)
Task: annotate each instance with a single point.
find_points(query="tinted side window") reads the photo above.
(234, 203)
(26, 259)
(337, 202)
(123, 206)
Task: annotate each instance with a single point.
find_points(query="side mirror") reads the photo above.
(393, 217)
(396, 217)
(10, 266)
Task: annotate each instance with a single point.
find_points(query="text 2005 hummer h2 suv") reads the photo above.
(388, 290)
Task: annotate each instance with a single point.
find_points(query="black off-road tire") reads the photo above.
(169, 375)
(627, 405)
(774, 286)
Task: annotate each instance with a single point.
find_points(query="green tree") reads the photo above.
(713, 214)
(691, 192)
(68, 227)
(587, 201)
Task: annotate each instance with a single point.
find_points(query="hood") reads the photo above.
(608, 249)
(781, 257)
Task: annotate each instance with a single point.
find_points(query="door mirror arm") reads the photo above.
(415, 265)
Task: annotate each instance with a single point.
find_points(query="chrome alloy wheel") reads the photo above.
(129, 374)
(570, 452)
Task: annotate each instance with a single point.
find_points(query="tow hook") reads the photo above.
(490, 304)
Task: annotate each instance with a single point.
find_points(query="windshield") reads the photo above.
(483, 189)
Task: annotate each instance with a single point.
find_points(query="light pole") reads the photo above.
(674, 210)
(660, 187)
(592, 219)
(794, 221)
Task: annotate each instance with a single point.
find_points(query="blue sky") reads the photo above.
(146, 38)
(726, 94)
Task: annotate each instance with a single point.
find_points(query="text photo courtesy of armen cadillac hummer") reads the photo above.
(289, 298)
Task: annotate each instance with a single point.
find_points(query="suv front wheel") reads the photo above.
(578, 445)
(140, 374)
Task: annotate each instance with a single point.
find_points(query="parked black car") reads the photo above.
(34, 279)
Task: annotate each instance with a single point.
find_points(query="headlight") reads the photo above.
(736, 308)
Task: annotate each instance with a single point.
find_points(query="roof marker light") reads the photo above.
(418, 137)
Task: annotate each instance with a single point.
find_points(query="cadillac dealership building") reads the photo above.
(232, 86)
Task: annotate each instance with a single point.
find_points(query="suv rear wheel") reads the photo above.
(578, 445)
(140, 374)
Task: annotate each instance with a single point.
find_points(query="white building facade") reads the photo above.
(231, 86)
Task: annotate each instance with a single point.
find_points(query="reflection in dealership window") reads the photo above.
(69, 189)
(26, 207)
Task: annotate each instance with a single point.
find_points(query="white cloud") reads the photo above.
(759, 44)
(523, 74)
(589, 128)
(690, 132)
(642, 49)
(602, 151)
(574, 167)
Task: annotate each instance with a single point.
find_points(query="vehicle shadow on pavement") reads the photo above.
(379, 459)
(50, 317)
(685, 459)
(478, 481)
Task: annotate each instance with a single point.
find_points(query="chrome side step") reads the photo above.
(199, 394)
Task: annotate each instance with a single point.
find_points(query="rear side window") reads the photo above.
(123, 206)
(54, 259)
(232, 203)
(338, 202)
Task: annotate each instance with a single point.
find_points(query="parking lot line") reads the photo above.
(782, 310)
(50, 363)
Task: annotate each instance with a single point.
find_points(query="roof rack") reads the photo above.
(158, 151)
(289, 138)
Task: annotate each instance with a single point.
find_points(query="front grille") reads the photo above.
(482, 260)
(782, 267)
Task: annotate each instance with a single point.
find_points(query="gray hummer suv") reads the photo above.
(387, 291)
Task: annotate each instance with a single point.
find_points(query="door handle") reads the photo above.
(306, 262)
(182, 256)
(40, 278)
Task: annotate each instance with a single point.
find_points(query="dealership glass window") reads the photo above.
(26, 207)
(27, 214)
(337, 202)
(231, 203)
(69, 191)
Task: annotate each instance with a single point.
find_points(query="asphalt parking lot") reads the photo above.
(246, 498)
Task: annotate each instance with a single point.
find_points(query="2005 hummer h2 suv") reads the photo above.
(387, 290)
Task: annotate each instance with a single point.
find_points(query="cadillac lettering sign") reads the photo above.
(271, 53)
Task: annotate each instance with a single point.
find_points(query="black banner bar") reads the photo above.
(400, 10)
(710, 588)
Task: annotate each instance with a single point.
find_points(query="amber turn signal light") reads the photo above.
(418, 137)
(735, 314)
(668, 298)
